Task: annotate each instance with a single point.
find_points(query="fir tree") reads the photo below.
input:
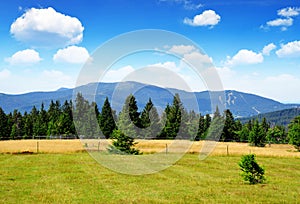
(106, 119)
(257, 135)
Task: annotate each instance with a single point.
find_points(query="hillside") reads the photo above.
(282, 117)
(241, 104)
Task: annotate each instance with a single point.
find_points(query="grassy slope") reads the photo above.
(77, 178)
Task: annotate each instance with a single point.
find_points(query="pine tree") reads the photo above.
(125, 124)
(201, 128)
(173, 119)
(106, 119)
(257, 135)
(122, 144)
(4, 135)
(216, 127)
(150, 121)
(251, 171)
(294, 132)
(229, 130)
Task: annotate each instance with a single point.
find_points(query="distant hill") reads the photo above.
(241, 104)
(282, 117)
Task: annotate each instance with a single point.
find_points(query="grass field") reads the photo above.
(64, 172)
(77, 178)
(146, 146)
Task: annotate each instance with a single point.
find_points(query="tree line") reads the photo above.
(174, 123)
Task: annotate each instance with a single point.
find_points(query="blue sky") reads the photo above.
(254, 45)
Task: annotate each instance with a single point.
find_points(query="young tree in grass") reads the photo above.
(251, 171)
(106, 119)
(294, 132)
(122, 144)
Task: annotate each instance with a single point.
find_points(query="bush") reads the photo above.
(122, 144)
(251, 171)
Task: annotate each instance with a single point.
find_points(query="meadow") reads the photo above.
(74, 177)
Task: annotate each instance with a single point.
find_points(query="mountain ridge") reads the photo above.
(241, 104)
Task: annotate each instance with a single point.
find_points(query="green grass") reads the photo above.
(77, 178)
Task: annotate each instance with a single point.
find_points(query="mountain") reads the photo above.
(241, 104)
(282, 117)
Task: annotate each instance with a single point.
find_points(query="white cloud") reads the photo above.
(182, 49)
(24, 57)
(291, 49)
(4, 74)
(47, 27)
(285, 19)
(167, 65)
(288, 12)
(118, 74)
(207, 18)
(244, 57)
(268, 49)
(187, 4)
(281, 22)
(55, 75)
(72, 54)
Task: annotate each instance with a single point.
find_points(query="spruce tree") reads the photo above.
(257, 135)
(150, 121)
(294, 132)
(173, 119)
(106, 120)
(229, 129)
(4, 135)
(125, 124)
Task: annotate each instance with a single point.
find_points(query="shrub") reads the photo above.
(122, 144)
(251, 171)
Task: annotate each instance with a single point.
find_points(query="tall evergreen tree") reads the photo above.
(229, 130)
(173, 119)
(4, 134)
(201, 128)
(257, 135)
(17, 125)
(294, 132)
(216, 126)
(150, 121)
(125, 123)
(106, 119)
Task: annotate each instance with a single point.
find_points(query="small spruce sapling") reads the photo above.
(251, 171)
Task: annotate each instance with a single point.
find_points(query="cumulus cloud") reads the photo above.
(47, 27)
(207, 18)
(288, 12)
(187, 4)
(182, 49)
(72, 54)
(268, 49)
(4, 74)
(244, 57)
(285, 20)
(291, 49)
(281, 22)
(114, 75)
(24, 57)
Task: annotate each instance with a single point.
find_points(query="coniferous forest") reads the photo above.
(59, 120)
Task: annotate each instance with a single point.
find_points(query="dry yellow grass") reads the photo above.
(146, 146)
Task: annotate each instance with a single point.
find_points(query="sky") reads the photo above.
(253, 45)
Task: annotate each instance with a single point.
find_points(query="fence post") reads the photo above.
(37, 147)
(99, 146)
(166, 148)
(227, 151)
